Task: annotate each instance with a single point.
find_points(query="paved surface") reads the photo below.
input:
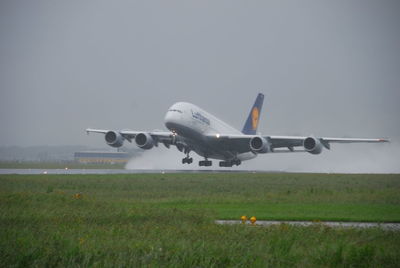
(385, 226)
(72, 171)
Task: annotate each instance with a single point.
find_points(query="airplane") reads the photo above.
(193, 129)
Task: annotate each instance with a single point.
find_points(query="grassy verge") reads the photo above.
(166, 220)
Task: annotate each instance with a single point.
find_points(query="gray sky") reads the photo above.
(329, 68)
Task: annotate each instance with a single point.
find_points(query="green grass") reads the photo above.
(167, 220)
(230, 195)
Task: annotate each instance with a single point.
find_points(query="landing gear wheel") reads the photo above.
(187, 160)
(205, 163)
(236, 162)
(224, 164)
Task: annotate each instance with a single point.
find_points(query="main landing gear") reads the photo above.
(236, 162)
(187, 160)
(205, 163)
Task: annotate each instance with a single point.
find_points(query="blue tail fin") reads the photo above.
(250, 127)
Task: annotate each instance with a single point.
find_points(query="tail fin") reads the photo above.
(250, 127)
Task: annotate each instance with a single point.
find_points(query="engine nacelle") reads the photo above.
(259, 145)
(114, 139)
(144, 141)
(312, 145)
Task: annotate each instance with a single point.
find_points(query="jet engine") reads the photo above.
(144, 141)
(114, 139)
(312, 145)
(259, 145)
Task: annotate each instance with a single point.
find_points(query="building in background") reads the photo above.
(91, 157)
(62, 154)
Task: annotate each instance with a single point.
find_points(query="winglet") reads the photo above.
(251, 125)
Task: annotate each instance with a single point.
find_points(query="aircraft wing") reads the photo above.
(293, 141)
(159, 136)
(241, 143)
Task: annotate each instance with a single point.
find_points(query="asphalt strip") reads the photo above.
(385, 226)
(35, 171)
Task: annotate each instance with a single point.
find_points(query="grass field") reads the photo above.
(167, 220)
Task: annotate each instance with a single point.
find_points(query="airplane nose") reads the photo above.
(171, 117)
(167, 117)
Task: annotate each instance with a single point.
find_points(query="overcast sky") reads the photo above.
(328, 68)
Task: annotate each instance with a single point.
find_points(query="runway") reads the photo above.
(120, 171)
(84, 171)
(335, 224)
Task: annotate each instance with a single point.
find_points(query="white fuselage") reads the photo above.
(194, 124)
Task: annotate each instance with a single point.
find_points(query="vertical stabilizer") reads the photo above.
(250, 127)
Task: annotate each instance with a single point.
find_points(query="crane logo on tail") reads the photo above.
(251, 124)
(255, 115)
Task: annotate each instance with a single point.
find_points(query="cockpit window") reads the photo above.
(175, 110)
